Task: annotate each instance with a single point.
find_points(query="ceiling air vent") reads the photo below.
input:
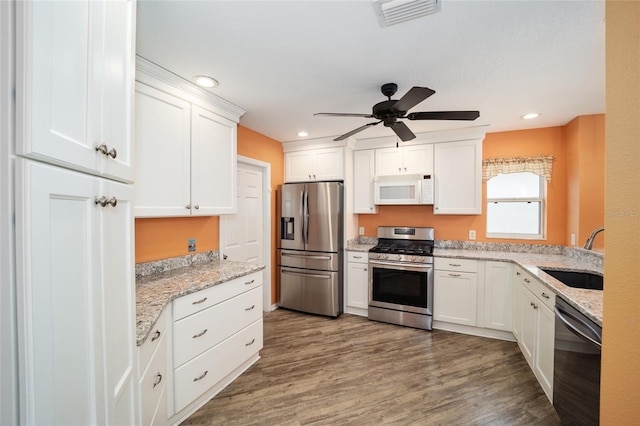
(391, 12)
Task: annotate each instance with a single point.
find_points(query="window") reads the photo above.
(516, 206)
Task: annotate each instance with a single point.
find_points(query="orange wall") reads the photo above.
(547, 141)
(620, 390)
(163, 238)
(585, 167)
(259, 147)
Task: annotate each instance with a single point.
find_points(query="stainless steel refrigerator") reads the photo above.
(310, 251)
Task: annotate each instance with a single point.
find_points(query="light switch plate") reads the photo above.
(472, 234)
(192, 244)
(573, 239)
(361, 230)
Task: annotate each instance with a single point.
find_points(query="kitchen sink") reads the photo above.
(586, 280)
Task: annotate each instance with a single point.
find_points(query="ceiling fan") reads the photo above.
(389, 111)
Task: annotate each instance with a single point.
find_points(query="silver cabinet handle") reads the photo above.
(250, 343)
(454, 275)
(517, 273)
(249, 282)
(156, 335)
(103, 149)
(158, 379)
(455, 264)
(103, 201)
(201, 376)
(188, 206)
(202, 333)
(545, 295)
(314, 176)
(197, 206)
(112, 153)
(357, 257)
(526, 280)
(197, 302)
(248, 309)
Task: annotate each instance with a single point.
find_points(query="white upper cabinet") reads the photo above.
(458, 177)
(363, 174)
(74, 84)
(185, 151)
(409, 159)
(314, 165)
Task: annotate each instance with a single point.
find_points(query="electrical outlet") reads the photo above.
(192, 244)
(361, 230)
(472, 234)
(573, 239)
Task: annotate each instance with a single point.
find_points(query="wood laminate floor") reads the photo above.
(321, 371)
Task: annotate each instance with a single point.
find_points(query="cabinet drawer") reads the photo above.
(539, 290)
(153, 383)
(198, 375)
(195, 302)
(197, 333)
(357, 256)
(156, 335)
(452, 264)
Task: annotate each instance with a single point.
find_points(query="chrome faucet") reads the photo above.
(589, 244)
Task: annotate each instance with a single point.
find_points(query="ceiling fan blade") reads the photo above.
(353, 132)
(444, 115)
(402, 131)
(412, 98)
(343, 114)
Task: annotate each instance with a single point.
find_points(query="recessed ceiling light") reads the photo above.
(530, 116)
(303, 134)
(204, 81)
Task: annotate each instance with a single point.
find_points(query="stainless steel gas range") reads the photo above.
(401, 277)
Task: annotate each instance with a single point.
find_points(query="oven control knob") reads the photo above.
(385, 256)
(399, 256)
(412, 258)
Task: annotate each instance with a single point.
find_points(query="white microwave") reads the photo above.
(403, 189)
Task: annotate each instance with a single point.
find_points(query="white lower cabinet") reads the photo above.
(536, 329)
(152, 380)
(455, 292)
(357, 287)
(498, 295)
(216, 334)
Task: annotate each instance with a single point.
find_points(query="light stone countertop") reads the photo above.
(589, 302)
(154, 292)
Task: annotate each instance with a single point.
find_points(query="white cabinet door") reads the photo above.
(363, 174)
(163, 168)
(418, 159)
(314, 165)
(455, 296)
(76, 302)
(213, 164)
(357, 285)
(458, 178)
(329, 164)
(498, 295)
(544, 351)
(73, 93)
(517, 303)
(405, 160)
(528, 332)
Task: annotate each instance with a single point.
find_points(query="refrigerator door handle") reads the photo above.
(302, 274)
(305, 217)
(314, 257)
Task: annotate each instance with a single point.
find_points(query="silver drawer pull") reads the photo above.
(455, 264)
(156, 335)
(250, 343)
(517, 273)
(201, 377)
(158, 379)
(526, 280)
(202, 333)
(454, 275)
(249, 282)
(197, 302)
(248, 309)
(357, 257)
(545, 295)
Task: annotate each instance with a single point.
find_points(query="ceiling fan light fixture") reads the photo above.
(391, 12)
(206, 81)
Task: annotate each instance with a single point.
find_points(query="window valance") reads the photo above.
(540, 165)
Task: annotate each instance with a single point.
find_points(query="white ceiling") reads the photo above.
(283, 61)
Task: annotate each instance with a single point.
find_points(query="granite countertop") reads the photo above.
(154, 292)
(589, 302)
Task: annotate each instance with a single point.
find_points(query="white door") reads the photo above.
(243, 233)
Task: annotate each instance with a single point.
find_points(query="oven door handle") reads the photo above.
(401, 266)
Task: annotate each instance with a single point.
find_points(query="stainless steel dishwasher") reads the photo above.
(576, 371)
